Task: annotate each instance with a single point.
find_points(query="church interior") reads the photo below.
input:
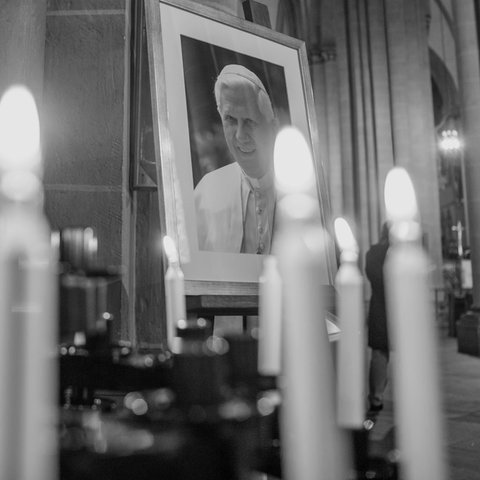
(129, 350)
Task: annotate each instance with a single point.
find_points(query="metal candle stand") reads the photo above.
(201, 411)
(193, 425)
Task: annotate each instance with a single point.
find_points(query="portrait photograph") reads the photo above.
(231, 129)
(203, 63)
(229, 88)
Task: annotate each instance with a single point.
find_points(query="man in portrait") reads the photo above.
(235, 204)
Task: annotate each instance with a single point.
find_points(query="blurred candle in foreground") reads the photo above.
(412, 336)
(174, 290)
(270, 318)
(28, 285)
(351, 346)
(311, 441)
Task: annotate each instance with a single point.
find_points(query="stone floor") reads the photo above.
(460, 376)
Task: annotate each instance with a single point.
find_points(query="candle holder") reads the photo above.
(199, 427)
(90, 361)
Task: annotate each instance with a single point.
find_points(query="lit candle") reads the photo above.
(312, 445)
(28, 285)
(174, 290)
(351, 347)
(412, 336)
(90, 248)
(269, 318)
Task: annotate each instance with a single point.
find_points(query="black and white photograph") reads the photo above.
(239, 239)
(227, 98)
(233, 122)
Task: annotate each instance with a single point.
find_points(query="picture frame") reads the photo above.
(187, 46)
(143, 170)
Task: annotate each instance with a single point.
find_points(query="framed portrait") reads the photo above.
(188, 46)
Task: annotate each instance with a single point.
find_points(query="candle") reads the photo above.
(90, 248)
(413, 337)
(270, 316)
(28, 284)
(351, 346)
(312, 445)
(174, 291)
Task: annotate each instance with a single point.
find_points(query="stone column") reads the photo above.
(386, 112)
(325, 91)
(366, 125)
(469, 79)
(412, 114)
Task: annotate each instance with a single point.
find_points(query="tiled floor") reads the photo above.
(460, 375)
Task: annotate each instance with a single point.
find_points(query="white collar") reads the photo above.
(263, 183)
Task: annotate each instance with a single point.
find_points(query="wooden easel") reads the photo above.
(256, 12)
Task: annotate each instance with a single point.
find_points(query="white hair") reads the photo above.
(234, 75)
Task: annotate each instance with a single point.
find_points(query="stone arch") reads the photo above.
(445, 92)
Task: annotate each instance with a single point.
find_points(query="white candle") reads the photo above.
(270, 318)
(90, 248)
(28, 285)
(413, 337)
(311, 441)
(174, 290)
(351, 346)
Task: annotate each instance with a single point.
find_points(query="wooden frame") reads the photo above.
(176, 31)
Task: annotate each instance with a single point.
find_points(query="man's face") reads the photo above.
(250, 137)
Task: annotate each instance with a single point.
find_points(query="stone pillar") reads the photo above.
(387, 112)
(366, 130)
(469, 78)
(412, 114)
(384, 145)
(347, 145)
(326, 95)
(22, 37)
(333, 131)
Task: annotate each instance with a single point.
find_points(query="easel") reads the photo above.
(256, 12)
(208, 306)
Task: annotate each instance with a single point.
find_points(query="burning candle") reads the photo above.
(270, 319)
(311, 441)
(174, 290)
(351, 346)
(90, 248)
(28, 285)
(413, 336)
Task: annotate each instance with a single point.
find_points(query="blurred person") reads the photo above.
(377, 322)
(235, 204)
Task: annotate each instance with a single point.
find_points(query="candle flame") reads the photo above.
(19, 131)
(294, 171)
(400, 199)
(170, 249)
(344, 235)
